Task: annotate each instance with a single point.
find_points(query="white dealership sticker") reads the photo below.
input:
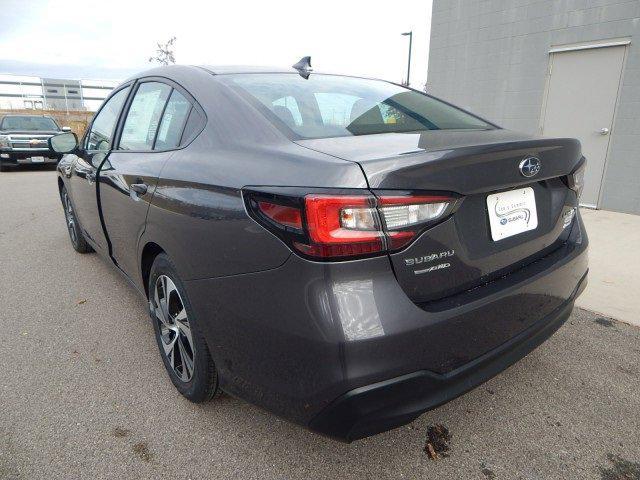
(512, 212)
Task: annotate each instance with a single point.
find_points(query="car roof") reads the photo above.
(170, 70)
(230, 69)
(181, 70)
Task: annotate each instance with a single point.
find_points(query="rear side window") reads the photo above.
(143, 118)
(173, 122)
(193, 127)
(101, 134)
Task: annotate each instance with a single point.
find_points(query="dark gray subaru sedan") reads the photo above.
(346, 253)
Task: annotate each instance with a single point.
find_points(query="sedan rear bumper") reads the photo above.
(385, 405)
(340, 347)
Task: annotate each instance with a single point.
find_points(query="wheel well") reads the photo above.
(149, 253)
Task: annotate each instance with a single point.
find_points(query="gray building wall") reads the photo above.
(492, 56)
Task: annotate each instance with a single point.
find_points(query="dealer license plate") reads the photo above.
(512, 212)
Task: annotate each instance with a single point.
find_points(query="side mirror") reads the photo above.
(66, 129)
(63, 143)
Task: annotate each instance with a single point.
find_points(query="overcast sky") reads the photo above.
(115, 38)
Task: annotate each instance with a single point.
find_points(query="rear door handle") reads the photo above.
(139, 188)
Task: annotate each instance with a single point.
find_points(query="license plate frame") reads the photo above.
(512, 212)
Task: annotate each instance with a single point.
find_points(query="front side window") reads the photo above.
(28, 123)
(334, 106)
(143, 118)
(173, 121)
(101, 134)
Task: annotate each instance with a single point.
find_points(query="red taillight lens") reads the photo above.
(282, 214)
(335, 226)
(342, 226)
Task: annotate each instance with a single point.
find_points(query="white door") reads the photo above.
(581, 97)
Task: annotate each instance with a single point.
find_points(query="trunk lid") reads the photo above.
(474, 164)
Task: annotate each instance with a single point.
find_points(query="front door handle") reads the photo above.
(139, 188)
(604, 131)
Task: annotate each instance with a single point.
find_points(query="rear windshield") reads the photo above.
(28, 123)
(334, 106)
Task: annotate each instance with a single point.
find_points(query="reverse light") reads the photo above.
(405, 216)
(340, 226)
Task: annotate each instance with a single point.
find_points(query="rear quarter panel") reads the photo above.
(197, 214)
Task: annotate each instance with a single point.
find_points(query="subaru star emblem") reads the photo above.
(530, 166)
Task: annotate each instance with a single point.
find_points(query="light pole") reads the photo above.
(409, 61)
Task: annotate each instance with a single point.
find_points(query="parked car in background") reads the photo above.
(347, 253)
(23, 140)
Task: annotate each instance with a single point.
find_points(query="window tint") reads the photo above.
(193, 126)
(101, 135)
(143, 118)
(173, 120)
(334, 106)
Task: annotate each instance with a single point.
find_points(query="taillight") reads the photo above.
(575, 180)
(346, 225)
(341, 226)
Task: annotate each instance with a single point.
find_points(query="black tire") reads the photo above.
(78, 242)
(202, 383)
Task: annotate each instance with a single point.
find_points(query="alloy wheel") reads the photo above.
(70, 217)
(174, 327)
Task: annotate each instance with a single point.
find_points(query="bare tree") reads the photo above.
(164, 53)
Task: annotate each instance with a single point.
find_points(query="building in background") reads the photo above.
(566, 68)
(19, 92)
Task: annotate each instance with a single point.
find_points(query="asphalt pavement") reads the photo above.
(83, 393)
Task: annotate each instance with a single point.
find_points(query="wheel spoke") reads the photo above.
(186, 360)
(183, 326)
(158, 308)
(164, 301)
(170, 345)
